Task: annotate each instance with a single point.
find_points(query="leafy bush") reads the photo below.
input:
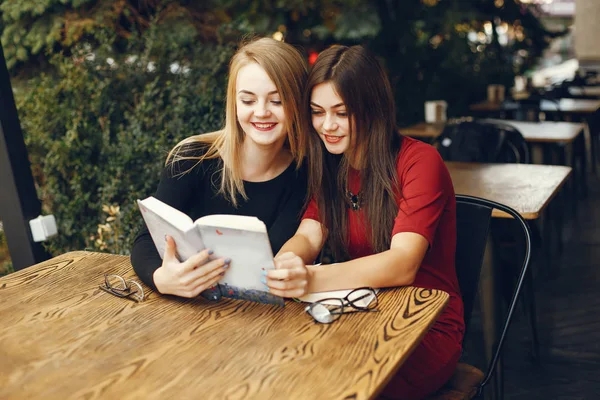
(98, 130)
(5, 262)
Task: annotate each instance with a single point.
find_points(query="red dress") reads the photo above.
(427, 206)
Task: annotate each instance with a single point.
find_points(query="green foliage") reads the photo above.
(99, 121)
(428, 55)
(99, 129)
(33, 30)
(6, 266)
(32, 27)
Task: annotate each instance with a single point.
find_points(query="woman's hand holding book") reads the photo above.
(289, 278)
(191, 277)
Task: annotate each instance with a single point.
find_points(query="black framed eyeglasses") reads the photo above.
(118, 286)
(326, 311)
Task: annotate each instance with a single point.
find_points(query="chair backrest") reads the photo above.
(482, 141)
(530, 109)
(472, 228)
(473, 215)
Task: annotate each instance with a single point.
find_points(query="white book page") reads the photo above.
(233, 221)
(250, 253)
(174, 217)
(162, 219)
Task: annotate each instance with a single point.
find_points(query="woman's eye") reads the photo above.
(246, 101)
(342, 114)
(276, 102)
(316, 112)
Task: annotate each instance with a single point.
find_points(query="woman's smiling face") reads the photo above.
(330, 118)
(260, 111)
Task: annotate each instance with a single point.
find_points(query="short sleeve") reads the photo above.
(425, 187)
(312, 211)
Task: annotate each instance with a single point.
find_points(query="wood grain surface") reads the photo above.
(527, 188)
(62, 337)
(533, 132)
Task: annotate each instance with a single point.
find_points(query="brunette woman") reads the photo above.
(384, 204)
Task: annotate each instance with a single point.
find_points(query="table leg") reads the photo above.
(589, 137)
(488, 298)
(582, 153)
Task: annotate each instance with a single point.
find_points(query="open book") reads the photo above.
(241, 238)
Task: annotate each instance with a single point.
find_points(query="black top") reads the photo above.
(278, 203)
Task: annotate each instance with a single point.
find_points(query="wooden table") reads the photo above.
(566, 109)
(533, 132)
(584, 90)
(567, 106)
(528, 188)
(557, 136)
(62, 337)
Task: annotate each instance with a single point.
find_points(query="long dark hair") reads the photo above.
(361, 82)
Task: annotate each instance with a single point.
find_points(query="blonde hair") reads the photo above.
(287, 69)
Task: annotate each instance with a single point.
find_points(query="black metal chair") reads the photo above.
(473, 217)
(538, 106)
(493, 142)
(482, 141)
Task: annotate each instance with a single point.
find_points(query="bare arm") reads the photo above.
(290, 278)
(397, 266)
(306, 243)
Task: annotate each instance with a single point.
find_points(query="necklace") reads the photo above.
(354, 200)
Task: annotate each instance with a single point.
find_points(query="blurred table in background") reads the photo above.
(527, 188)
(533, 132)
(581, 107)
(559, 138)
(584, 90)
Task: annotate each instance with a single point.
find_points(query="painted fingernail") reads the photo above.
(222, 274)
(264, 272)
(263, 280)
(227, 260)
(210, 252)
(225, 266)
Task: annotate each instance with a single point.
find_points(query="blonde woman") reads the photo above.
(253, 166)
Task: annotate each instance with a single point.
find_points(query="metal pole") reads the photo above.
(18, 199)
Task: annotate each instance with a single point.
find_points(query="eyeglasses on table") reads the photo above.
(124, 288)
(326, 311)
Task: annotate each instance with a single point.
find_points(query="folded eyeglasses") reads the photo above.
(326, 311)
(118, 286)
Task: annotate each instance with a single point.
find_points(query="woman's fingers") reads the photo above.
(170, 250)
(284, 257)
(218, 265)
(290, 279)
(288, 268)
(196, 260)
(210, 273)
(286, 285)
(288, 293)
(287, 274)
(200, 288)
